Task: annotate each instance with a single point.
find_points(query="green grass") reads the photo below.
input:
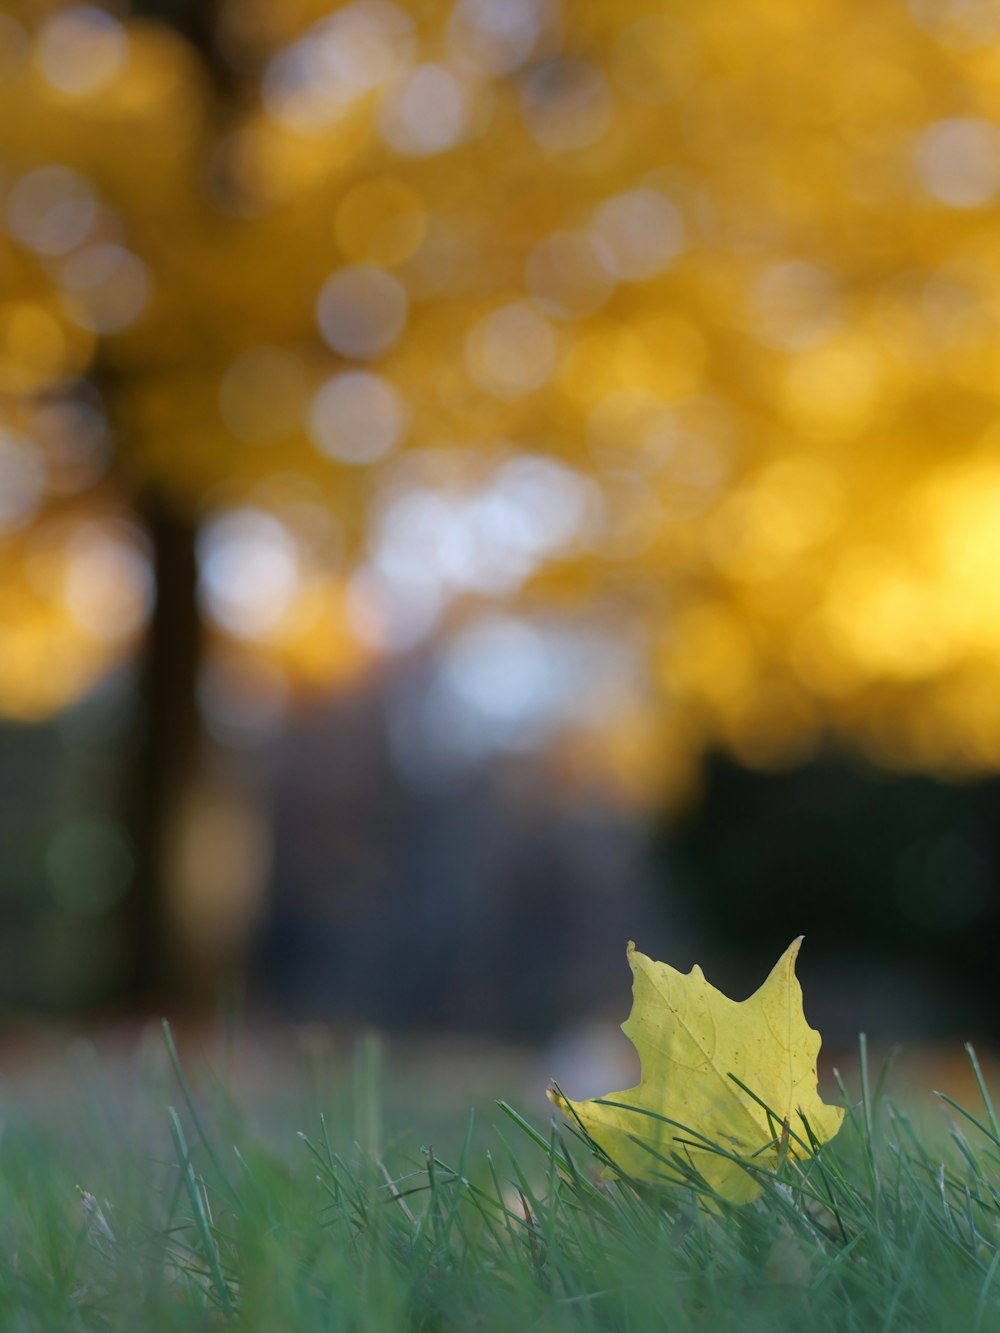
(177, 1212)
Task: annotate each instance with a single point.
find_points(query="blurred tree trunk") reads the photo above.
(167, 746)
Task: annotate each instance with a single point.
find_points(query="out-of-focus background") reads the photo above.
(482, 480)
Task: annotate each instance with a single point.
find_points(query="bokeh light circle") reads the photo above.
(357, 417)
(81, 49)
(641, 233)
(511, 351)
(361, 311)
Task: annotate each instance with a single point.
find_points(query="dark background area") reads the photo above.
(495, 905)
(891, 878)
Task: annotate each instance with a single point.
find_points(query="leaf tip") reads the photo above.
(557, 1099)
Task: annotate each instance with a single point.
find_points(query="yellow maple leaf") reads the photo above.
(694, 1042)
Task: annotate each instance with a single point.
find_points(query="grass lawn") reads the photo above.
(185, 1212)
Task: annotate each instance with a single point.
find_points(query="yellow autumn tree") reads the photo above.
(643, 312)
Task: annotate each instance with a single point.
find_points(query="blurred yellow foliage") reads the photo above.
(733, 269)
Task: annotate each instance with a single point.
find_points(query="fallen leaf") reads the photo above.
(691, 1039)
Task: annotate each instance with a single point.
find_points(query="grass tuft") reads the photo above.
(207, 1223)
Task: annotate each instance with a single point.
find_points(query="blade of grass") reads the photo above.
(202, 1223)
(192, 1111)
